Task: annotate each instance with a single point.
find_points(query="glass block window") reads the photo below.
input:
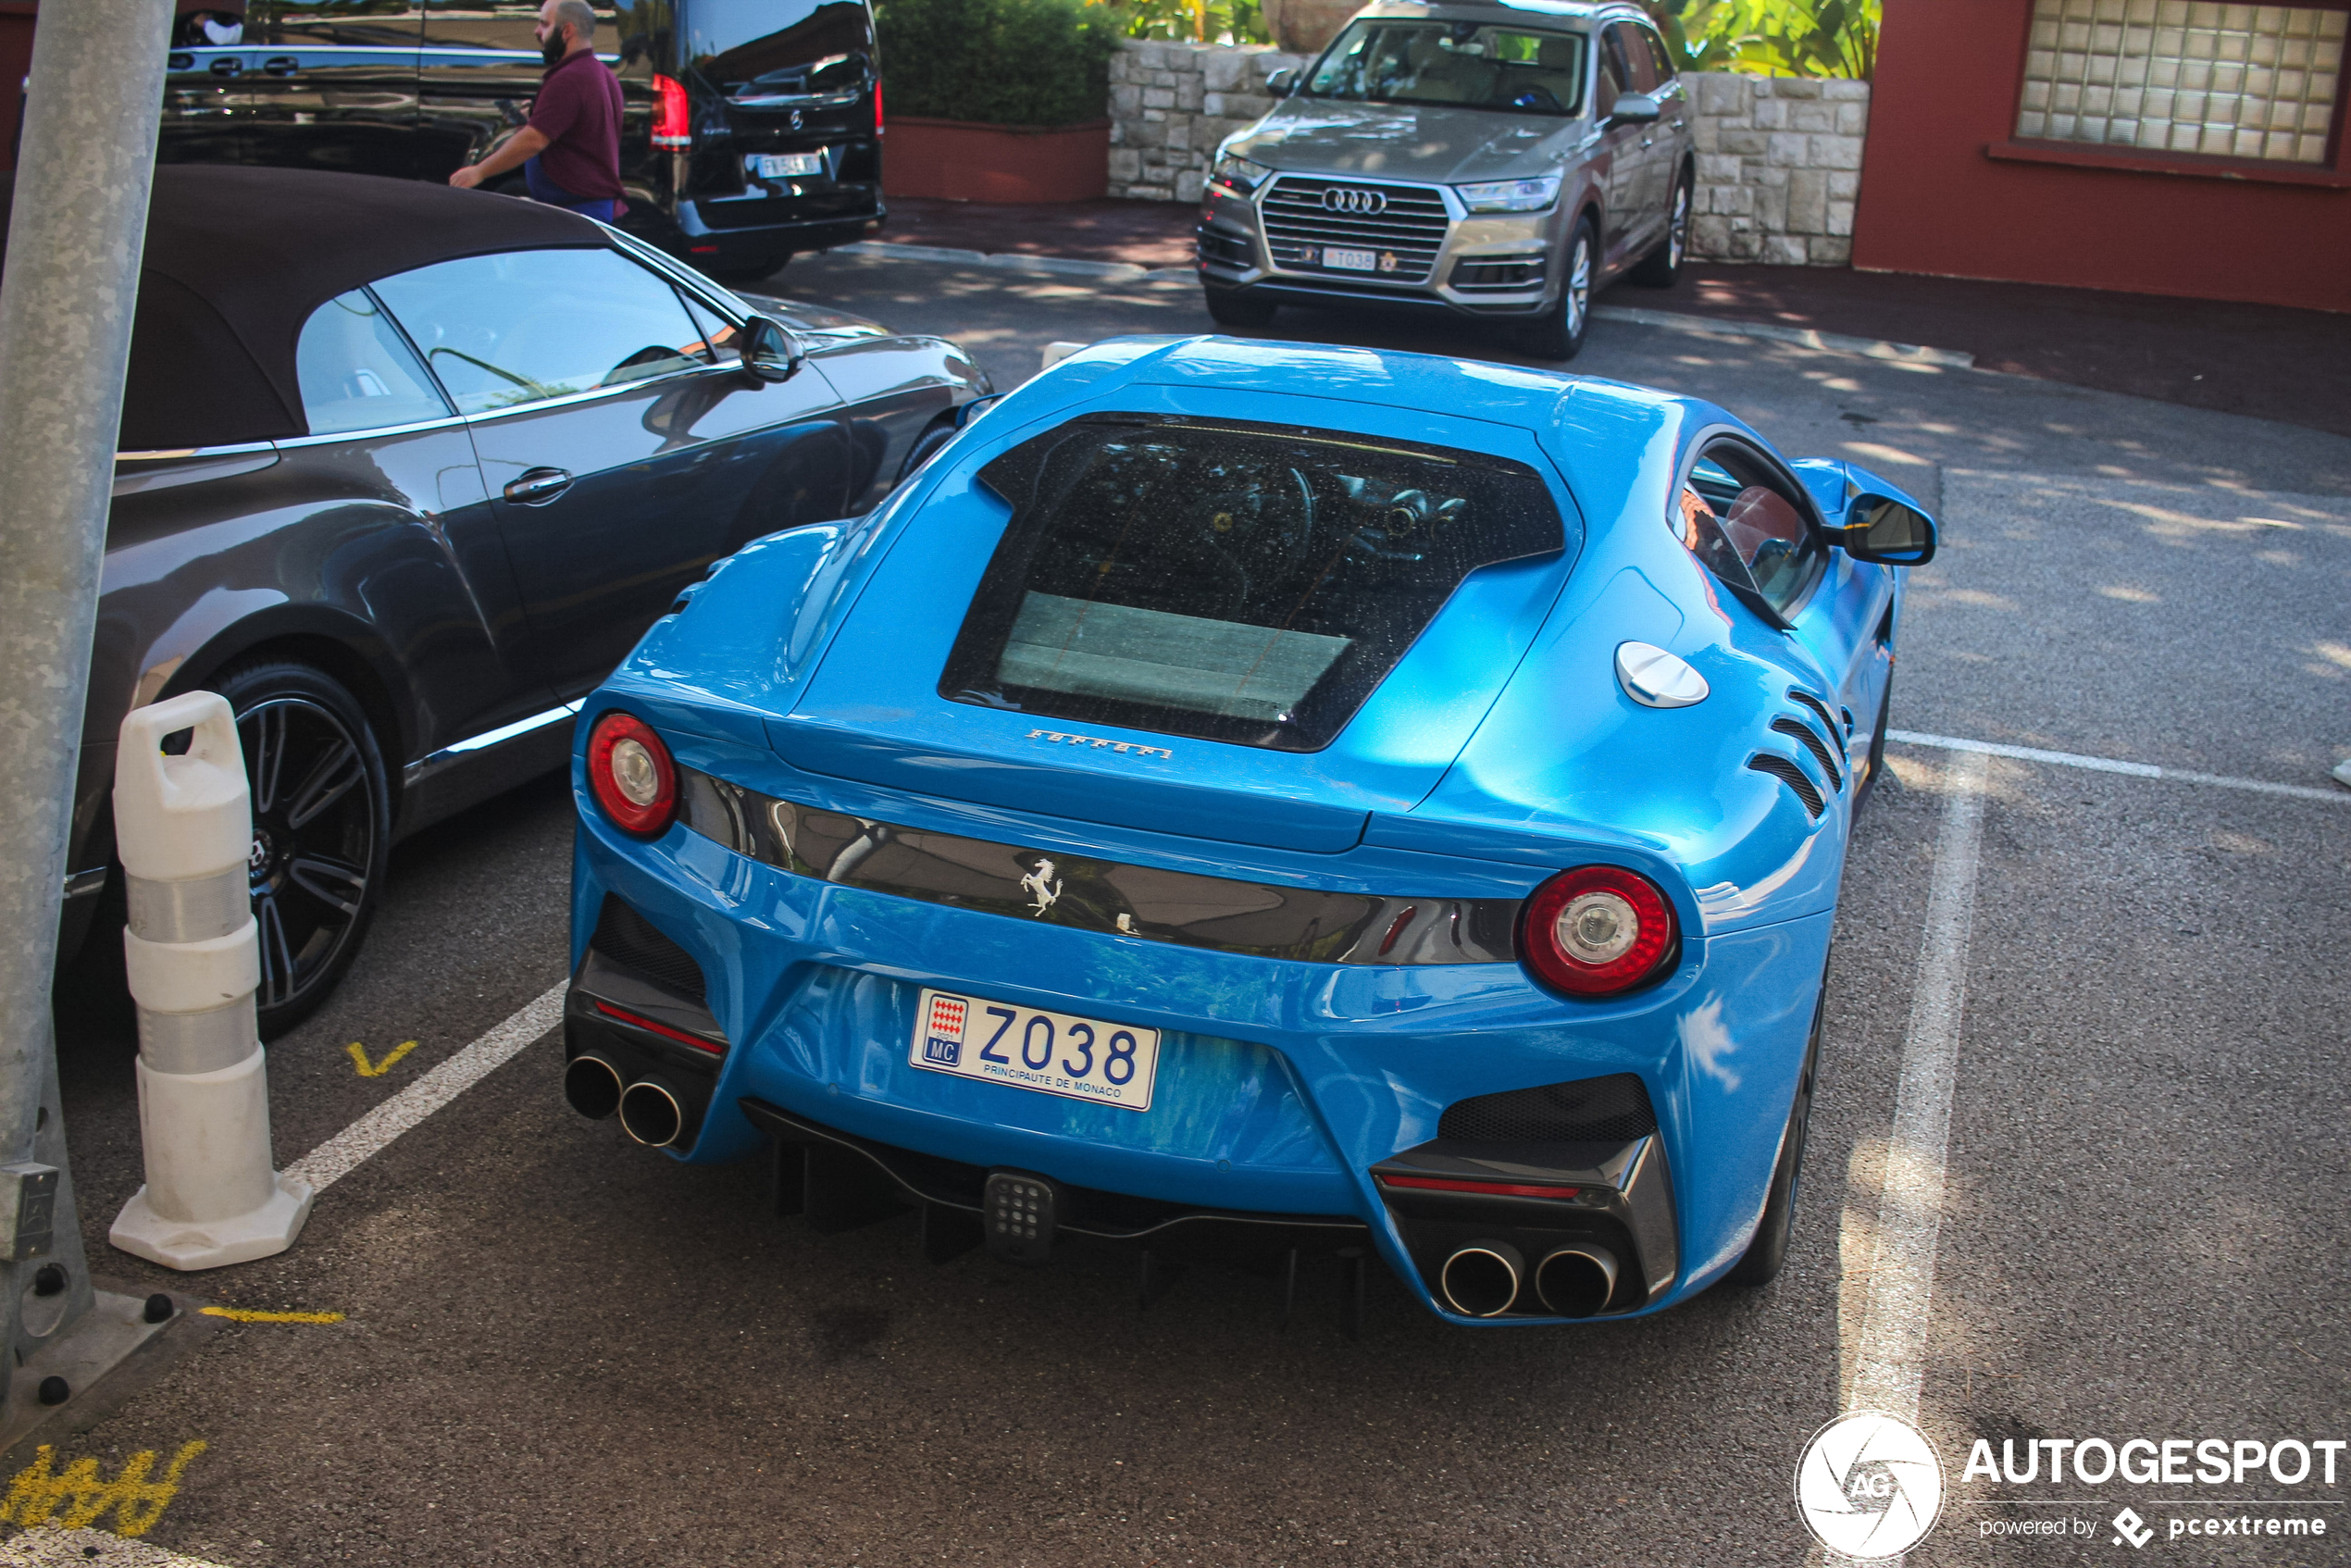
(2184, 76)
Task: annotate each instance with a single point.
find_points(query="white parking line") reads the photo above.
(1892, 1349)
(2108, 764)
(344, 1153)
(53, 1546)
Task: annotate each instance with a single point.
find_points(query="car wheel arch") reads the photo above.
(346, 650)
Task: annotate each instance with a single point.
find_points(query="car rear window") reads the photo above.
(1242, 582)
(784, 48)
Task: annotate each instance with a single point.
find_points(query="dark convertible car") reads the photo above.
(405, 470)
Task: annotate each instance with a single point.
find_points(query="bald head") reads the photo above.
(572, 18)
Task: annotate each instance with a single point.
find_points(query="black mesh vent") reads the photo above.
(1803, 735)
(629, 938)
(1828, 719)
(1788, 773)
(1609, 1110)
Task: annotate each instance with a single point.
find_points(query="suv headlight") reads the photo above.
(1511, 195)
(1241, 174)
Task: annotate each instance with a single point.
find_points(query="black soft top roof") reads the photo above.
(238, 258)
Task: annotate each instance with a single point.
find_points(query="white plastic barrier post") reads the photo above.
(184, 829)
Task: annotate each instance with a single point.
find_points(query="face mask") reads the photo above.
(223, 32)
(552, 47)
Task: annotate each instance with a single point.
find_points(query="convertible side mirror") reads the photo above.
(770, 354)
(1634, 108)
(1891, 533)
(1282, 81)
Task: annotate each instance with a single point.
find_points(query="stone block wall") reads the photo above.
(1779, 167)
(1171, 104)
(1779, 158)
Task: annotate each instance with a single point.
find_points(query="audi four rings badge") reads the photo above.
(1345, 199)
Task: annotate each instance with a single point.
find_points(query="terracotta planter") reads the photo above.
(1303, 27)
(958, 161)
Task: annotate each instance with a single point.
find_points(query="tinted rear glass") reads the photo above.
(1241, 582)
(776, 47)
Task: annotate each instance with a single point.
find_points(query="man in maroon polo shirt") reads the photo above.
(570, 150)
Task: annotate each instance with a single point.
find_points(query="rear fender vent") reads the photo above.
(630, 939)
(1828, 719)
(1804, 734)
(1795, 777)
(1610, 1110)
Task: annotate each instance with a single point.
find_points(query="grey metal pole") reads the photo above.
(76, 228)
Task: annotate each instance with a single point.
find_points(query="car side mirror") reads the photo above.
(770, 354)
(1634, 108)
(1880, 528)
(1281, 84)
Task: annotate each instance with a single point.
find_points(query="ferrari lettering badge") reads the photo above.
(1098, 740)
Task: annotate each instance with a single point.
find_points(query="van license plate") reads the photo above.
(779, 165)
(1351, 261)
(1028, 1048)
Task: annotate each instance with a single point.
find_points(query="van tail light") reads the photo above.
(877, 114)
(631, 775)
(670, 129)
(1596, 930)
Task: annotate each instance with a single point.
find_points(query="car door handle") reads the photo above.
(281, 64)
(228, 68)
(539, 487)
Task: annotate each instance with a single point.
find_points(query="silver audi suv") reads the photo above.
(1499, 160)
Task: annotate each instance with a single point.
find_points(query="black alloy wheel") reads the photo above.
(1557, 333)
(1237, 308)
(1766, 1253)
(321, 831)
(1662, 265)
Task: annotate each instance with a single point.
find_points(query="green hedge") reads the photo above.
(1002, 62)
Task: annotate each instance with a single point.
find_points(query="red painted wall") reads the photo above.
(1949, 74)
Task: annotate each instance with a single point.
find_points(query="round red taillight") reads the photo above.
(1596, 931)
(630, 773)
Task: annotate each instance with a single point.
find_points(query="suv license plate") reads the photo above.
(777, 166)
(1027, 1047)
(1351, 261)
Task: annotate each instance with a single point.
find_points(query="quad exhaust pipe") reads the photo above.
(1487, 1279)
(649, 1112)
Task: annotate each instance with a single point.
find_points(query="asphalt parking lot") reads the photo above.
(2125, 993)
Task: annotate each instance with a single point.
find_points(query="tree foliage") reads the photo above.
(1773, 37)
(1203, 22)
(999, 62)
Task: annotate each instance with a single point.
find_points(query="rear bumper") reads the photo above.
(1282, 1085)
(728, 239)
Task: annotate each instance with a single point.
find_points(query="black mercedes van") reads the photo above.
(752, 131)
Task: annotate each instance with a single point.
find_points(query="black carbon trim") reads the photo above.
(1259, 919)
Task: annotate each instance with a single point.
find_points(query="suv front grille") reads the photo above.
(1610, 1110)
(1404, 235)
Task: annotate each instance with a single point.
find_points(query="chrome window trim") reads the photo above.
(1111, 897)
(170, 453)
(374, 433)
(592, 393)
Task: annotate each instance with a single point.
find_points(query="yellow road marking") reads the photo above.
(241, 1314)
(377, 1069)
(39, 1491)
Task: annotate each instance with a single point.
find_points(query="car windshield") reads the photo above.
(1238, 582)
(1466, 65)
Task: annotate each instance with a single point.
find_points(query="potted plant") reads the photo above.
(997, 99)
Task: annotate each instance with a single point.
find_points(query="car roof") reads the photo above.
(1491, 10)
(236, 260)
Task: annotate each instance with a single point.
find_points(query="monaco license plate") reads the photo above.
(1351, 261)
(779, 166)
(1028, 1048)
